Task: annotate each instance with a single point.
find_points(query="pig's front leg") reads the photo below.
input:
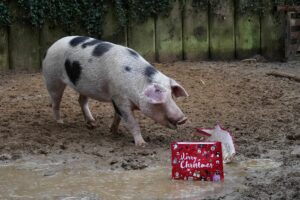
(134, 128)
(125, 112)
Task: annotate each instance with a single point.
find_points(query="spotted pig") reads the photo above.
(113, 73)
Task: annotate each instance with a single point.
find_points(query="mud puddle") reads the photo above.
(31, 180)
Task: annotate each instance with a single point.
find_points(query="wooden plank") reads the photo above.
(23, 43)
(288, 8)
(195, 32)
(272, 35)
(4, 64)
(111, 30)
(49, 35)
(289, 49)
(247, 32)
(168, 33)
(142, 39)
(222, 44)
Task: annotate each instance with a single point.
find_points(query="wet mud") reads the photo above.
(261, 111)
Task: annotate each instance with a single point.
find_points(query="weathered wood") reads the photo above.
(292, 39)
(284, 75)
(288, 8)
(4, 64)
(49, 35)
(195, 32)
(111, 30)
(24, 49)
(272, 35)
(141, 38)
(247, 32)
(169, 35)
(222, 44)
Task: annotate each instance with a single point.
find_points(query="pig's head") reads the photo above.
(157, 102)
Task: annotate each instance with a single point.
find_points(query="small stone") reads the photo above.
(296, 151)
(49, 173)
(113, 162)
(5, 157)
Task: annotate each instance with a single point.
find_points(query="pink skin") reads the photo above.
(156, 103)
(161, 107)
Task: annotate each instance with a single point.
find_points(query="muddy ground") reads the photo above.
(261, 111)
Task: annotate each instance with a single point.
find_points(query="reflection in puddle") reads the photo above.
(21, 182)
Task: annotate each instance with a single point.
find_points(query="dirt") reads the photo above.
(261, 111)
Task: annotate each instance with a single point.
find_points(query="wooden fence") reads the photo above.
(186, 34)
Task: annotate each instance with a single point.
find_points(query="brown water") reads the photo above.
(31, 180)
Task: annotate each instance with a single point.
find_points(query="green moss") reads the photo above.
(195, 32)
(141, 38)
(222, 31)
(169, 35)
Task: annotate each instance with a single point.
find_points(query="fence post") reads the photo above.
(24, 48)
(48, 36)
(111, 30)
(222, 44)
(195, 32)
(169, 35)
(247, 32)
(4, 64)
(272, 34)
(141, 38)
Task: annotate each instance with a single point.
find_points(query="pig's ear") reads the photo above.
(155, 94)
(177, 89)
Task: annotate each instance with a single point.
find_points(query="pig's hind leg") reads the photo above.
(83, 102)
(56, 90)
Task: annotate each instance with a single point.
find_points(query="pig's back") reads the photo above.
(96, 68)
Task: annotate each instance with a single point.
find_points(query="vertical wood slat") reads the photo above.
(195, 32)
(23, 43)
(169, 35)
(222, 44)
(48, 36)
(4, 62)
(247, 32)
(272, 35)
(111, 30)
(141, 38)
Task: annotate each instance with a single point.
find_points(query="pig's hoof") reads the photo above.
(91, 124)
(140, 144)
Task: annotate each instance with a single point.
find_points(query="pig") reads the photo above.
(113, 73)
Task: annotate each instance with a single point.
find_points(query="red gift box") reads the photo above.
(197, 161)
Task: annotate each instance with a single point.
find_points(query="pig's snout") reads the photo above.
(182, 121)
(173, 123)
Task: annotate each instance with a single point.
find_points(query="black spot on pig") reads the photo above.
(116, 108)
(77, 40)
(127, 68)
(119, 111)
(45, 54)
(133, 53)
(101, 49)
(90, 43)
(150, 71)
(73, 70)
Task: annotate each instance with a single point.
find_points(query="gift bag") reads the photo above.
(197, 161)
